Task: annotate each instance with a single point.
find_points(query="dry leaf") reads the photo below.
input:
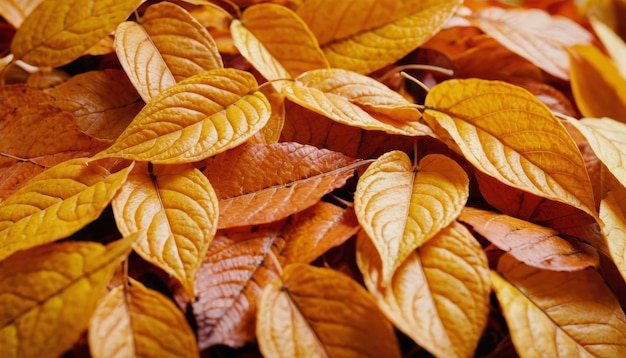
(401, 206)
(614, 44)
(439, 296)
(14, 12)
(48, 293)
(316, 312)
(613, 219)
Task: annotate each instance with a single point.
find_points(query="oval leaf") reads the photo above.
(316, 312)
(439, 296)
(197, 118)
(174, 210)
(139, 322)
(401, 207)
(56, 204)
(48, 293)
(508, 134)
(58, 32)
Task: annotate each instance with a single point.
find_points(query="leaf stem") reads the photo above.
(275, 261)
(415, 80)
(445, 71)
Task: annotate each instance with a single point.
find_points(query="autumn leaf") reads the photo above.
(613, 222)
(57, 32)
(136, 321)
(15, 12)
(363, 36)
(320, 312)
(614, 44)
(49, 292)
(559, 313)
(401, 207)
(174, 210)
(506, 133)
(197, 118)
(287, 178)
(439, 296)
(55, 204)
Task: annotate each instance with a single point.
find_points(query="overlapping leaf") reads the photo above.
(506, 133)
(559, 313)
(614, 44)
(16, 11)
(613, 218)
(264, 183)
(58, 32)
(276, 42)
(364, 36)
(48, 294)
(439, 296)
(197, 118)
(401, 207)
(174, 209)
(317, 312)
(136, 321)
(55, 204)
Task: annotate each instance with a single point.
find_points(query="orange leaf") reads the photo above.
(58, 32)
(439, 296)
(553, 313)
(317, 312)
(264, 183)
(197, 118)
(401, 207)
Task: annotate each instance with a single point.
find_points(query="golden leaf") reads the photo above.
(58, 32)
(564, 314)
(592, 73)
(508, 134)
(48, 293)
(197, 118)
(613, 224)
(401, 207)
(614, 44)
(139, 322)
(55, 204)
(276, 42)
(317, 312)
(439, 296)
(367, 35)
(174, 209)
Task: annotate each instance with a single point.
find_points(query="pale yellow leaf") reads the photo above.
(197, 118)
(614, 44)
(58, 32)
(139, 322)
(175, 210)
(48, 293)
(401, 207)
(56, 203)
(613, 224)
(439, 296)
(508, 134)
(15, 11)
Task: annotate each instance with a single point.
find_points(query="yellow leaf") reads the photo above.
(401, 207)
(613, 224)
(317, 312)
(614, 44)
(439, 296)
(367, 35)
(139, 322)
(599, 89)
(508, 134)
(276, 42)
(197, 118)
(55, 204)
(48, 293)
(15, 11)
(565, 314)
(174, 209)
(58, 32)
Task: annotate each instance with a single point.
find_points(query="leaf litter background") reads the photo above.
(186, 178)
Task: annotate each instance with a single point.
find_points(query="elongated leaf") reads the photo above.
(276, 42)
(506, 133)
(197, 118)
(613, 216)
(264, 183)
(367, 35)
(58, 32)
(614, 44)
(55, 204)
(559, 313)
(139, 322)
(401, 207)
(174, 209)
(48, 294)
(316, 312)
(439, 296)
